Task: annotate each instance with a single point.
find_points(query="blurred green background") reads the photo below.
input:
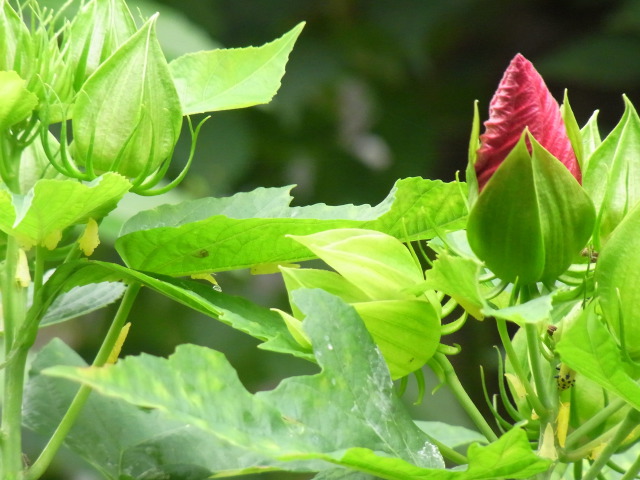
(375, 90)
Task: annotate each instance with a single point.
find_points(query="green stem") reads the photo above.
(452, 380)
(38, 269)
(594, 422)
(632, 471)
(517, 367)
(9, 162)
(14, 300)
(48, 453)
(626, 427)
(541, 383)
(449, 453)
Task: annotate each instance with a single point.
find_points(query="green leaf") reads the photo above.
(133, 91)
(211, 235)
(350, 406)
(118, 438)
(589, 348)
(224, 79)
(617, 277)
(342, 474)
(82, 300)
(509, 457)
(236, 312)
(376, 263)
(379, 272)
(40, 216)
(16, 102)
(47, 399)
(326, 280)
(612, 178)
(451, 435)
(458, 278)
(533, 311)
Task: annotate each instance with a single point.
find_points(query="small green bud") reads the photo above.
(96, 32)
(17, 102)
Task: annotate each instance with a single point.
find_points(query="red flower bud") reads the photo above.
(521, 101)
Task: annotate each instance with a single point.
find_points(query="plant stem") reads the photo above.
(536, 369)
(48, 453)
(38, 269)
(632, 471)
(574, 437)
(449, 453)
(14, 299)
(460, 393)
(626, 427)
(517, 367)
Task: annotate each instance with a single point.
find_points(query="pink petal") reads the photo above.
(521, 101)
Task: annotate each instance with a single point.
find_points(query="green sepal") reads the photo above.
(16, 45)
(573, 131)
(95, 33)
(16, 102)
(567, 215)
(617, 278)
(474, 144)
(591, 139)
(504, 229)
(127, 117)
(532, 218)
(613, 174)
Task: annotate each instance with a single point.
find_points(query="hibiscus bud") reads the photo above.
(522, 101)
(127, 117)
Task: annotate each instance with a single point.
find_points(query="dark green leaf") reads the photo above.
(82, 300)
(352, 403)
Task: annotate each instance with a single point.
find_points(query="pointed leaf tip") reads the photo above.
(521, 101)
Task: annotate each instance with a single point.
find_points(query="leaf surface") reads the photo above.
(250, 229)
(224, 79)
(53, 205)
(350, 404)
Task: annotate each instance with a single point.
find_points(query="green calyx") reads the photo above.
(532, 218)
(127, 117)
